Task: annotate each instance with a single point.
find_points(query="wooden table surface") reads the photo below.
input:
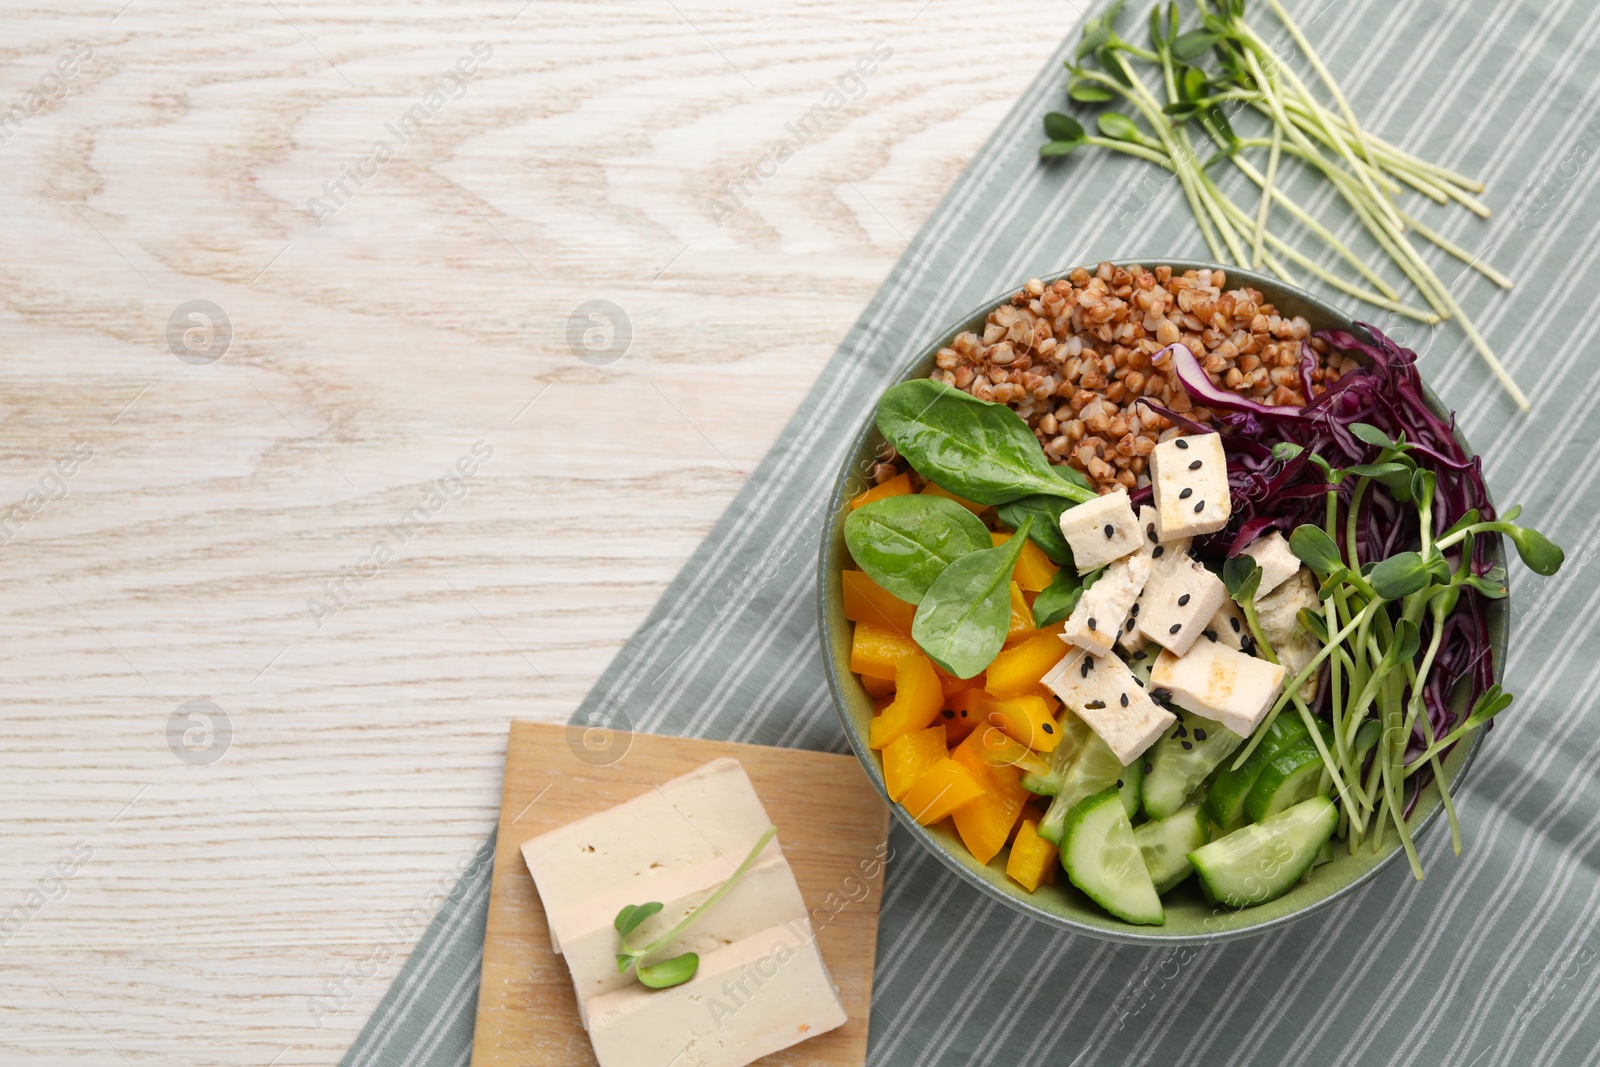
(249, 501)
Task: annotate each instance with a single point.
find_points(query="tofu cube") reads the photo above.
(1219, 683)
(1177, 611)
(1164, 557)
(1101, 530)
(1189, 480)
(1230, 627)
(747, 1000)
(1277, 561)
(1279, 615)
(1103, 692)
(1102, 610)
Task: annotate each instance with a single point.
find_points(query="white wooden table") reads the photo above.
(196, 503)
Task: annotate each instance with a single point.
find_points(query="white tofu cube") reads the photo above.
(1174, 613)
(1219, 683)
(765, 896)
(1165, 556)
(1100, 530)
(1230, 626)
(1279, 615)
(1189, 481)
(1276, 560)
(747, 1000)
(711, 813)
(1103, 692)
(1103, 608)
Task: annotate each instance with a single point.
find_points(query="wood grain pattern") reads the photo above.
(832, 825)
(244, 911)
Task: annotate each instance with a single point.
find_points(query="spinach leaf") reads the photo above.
(1046, 512)
(977, 450)
(1056, 601)
(903, 542)
(962, 621)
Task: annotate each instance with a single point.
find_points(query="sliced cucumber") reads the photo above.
(1262, 861)
(1226, 797)
(1130, 785)
(1180, 761)
(1102, 857)
(1166, 844)
(1095, 768)
(1293, 775)
(1074, 733)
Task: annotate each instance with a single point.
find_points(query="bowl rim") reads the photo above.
(828, 552)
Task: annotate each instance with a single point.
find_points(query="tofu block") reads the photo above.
(1189, 481)
(1164, 557)
(1103, 692)
(1175, 612)
(1221, 683)
(747, 1000)
(711, 813)
(1279, 615)
(765, 896)
(1277, 561)
(1230, 627)
(1102, 611)
(1101, 530)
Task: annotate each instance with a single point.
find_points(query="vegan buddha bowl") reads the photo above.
(1167, 603)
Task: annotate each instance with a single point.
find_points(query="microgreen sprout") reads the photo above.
(681, 968)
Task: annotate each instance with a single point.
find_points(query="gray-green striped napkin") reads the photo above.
(1494, 959)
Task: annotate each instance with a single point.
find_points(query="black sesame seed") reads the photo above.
(963, 713)
(1119, 783)
(1175, 628)
(949, 714)
(1138, 681)
(1161, 694)
(1134, 611)
(1234, 622)
(1051, 729)
(1182, 731)
(1199, 734)
(1088, 664)
(1195, 465)
(1131, 625)
(1158, 550)
(1186, 494)
(1110, 530)
(1184, 599)
(1186, 745)
(1124, 699)
(1180, 443)
(1210, 635)
(1094, 705)
(1092, 626)
(1198, 508)
(1150, 530)
(1148, 767)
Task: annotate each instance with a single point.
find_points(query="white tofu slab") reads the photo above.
(711, 813)
(1100, 530)
(1279, 615)
(1102, 610)
(1164, 557)
(1277, 561)
(1219, 683)
(765, 896)
(748, 1000)
(1229, 625)
(1175, 613)
(1103, 692)
(1189, 485)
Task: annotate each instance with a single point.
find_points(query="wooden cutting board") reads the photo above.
(833, 828)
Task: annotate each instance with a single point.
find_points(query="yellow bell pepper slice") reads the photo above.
(917, 701)
(876, 650)
(937, 490)
(867, 601)
(1021, 626)
(1026, 718)
(1018, 669)
(941, 789)
(1034, 570)
(899, 485)
(1032, 859)
(909, 757)
(985, 822)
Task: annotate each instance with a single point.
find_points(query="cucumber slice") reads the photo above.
(1074, 734)
(1166, 844)
(1095, 769)
(1291, 776)
(1130, 785)
(1102, 858)
(1180, 761)
(1262, 861)
(1225, 800)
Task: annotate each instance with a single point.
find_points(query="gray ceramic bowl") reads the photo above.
(1189, 919)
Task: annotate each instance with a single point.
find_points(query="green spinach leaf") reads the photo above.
(977, 450)
(1046, 512)
(962, 621)
(903, 542)
(1056, 601)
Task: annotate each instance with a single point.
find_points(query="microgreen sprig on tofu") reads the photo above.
(681, 968)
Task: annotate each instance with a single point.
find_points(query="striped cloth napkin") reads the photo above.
(1495, 958)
